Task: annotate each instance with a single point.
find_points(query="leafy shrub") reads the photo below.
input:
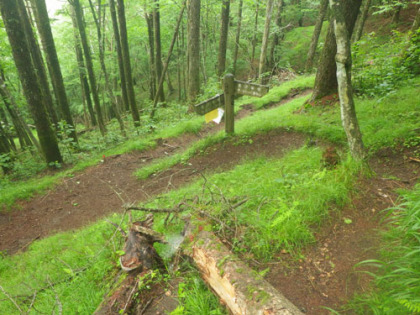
(379, 68)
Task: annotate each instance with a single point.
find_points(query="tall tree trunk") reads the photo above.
(127, 63)
(396, 14)
(264, 44)
(158, 47)
(360, 24)
(254, 37)
(168, 57)
(238, 36)
(82, 72)
(27, 74)
(345, 91)
(221, 59)
(277, 34)
(326, 76)
(89, 65)
(26, 139)
(121, 69)
(108, 86)
(323, 7)
(38, 63)
(44, 29)
(416, 22)
(152, 75)
(193, 50)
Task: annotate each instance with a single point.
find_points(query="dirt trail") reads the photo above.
(325, 276)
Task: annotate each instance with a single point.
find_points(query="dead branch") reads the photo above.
(57, 299)
(414, 159)
(123, 233)
(11, 299)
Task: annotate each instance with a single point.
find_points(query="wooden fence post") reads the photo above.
(229, 89)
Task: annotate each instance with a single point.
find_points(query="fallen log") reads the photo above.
(241, 289)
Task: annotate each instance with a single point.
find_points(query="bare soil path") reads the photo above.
(323, 277)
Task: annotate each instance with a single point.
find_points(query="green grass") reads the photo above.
(397, 273)
(294, 194)
(75, 266)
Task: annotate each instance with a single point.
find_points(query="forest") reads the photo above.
(209, 157)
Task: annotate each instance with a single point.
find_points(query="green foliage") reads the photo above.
(397, 274)
(380, 68)
(195, 298)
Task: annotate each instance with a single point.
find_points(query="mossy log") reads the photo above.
(241, 289)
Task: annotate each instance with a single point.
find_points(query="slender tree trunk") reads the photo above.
(238, 36)
(326, 76)
(345, 91)
(108, 86)
(396, 14)
(158, 48)
(152, 76)
(168, 57)
(121, 69)
(323, 7)
(360, 24)
(264, 44)
(127, 63)
(277, 34)
(82, 73)
(254, 37)
(221, 59)
(89, 65)
(13, 22)
(193, 50)
(38, 63)
(416, 22)
(44, 29)
(25, 139)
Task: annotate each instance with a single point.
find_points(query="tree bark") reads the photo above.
(254, 37)
(38, 63)
(396, 14)
(127, 63)
(158, 48)
(82, 72)
(89, 65)
(116, 31)
(360, 24)
(43, 22)
(152, 76)
(326, 76)
(168, 57)
(231, 279)
(345, 90)
(323, 7)
(416, 22)
(277, 34)
(238, 36)
(108, 86)
(221, 58)
(27, 74)
(264, 45)
(193, 50)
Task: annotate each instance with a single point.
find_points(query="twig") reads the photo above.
(11, 299)
(204, 213)
(118, 227)
(57, 299)
(29, 243)
(146, 306)
(32, 302)
(130, 296)
(163, 210)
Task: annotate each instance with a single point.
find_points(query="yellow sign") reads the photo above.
(211, 115)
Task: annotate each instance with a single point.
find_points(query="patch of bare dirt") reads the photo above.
(326, 275)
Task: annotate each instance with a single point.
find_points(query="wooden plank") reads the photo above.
(211, 104)
(251, 89)
(240, 288)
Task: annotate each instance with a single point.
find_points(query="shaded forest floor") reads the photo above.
(325, 277)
